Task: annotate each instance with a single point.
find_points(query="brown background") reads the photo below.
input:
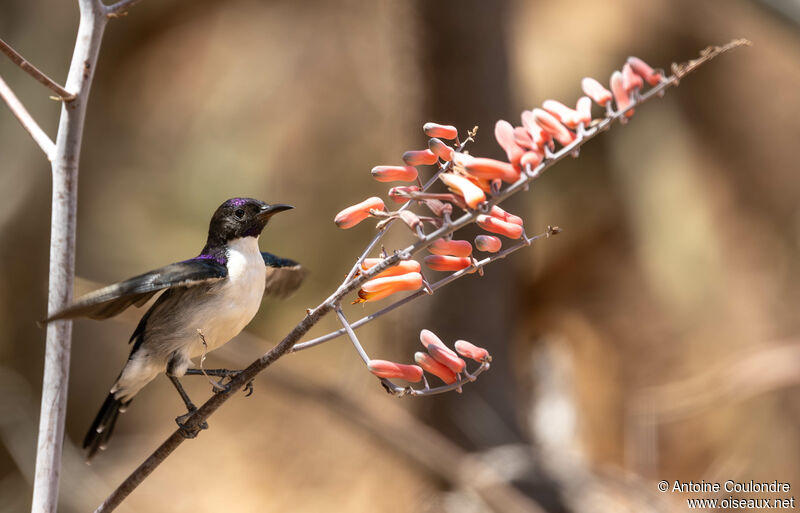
(656, 338)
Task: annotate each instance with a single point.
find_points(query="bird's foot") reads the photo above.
(224, 375)
(185, 429)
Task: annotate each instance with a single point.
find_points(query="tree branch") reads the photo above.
(120, 8)
(33, 71)
(62, 256)
(42, 139)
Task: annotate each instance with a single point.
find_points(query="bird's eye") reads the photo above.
(239, 213)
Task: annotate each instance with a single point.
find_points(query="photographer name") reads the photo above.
(730, 486)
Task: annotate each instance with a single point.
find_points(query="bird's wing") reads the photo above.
(109, 301)
(284, 276)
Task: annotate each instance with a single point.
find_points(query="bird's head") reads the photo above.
(241, 217)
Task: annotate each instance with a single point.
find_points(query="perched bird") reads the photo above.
(206, 301)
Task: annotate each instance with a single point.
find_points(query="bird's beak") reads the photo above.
(268, 211)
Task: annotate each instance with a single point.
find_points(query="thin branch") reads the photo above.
(31, 126)
(120, 8)
(33, 71)
(350, 285)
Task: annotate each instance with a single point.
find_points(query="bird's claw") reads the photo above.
(219, 388)
(187, 431)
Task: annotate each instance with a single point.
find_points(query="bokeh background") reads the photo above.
(656, 338)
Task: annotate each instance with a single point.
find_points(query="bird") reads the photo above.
(204, 302)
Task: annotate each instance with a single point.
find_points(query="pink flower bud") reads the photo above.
(394, 173)
(431, 366)
(447, 263)
(471, 193)
(440, 352)
(567, 116)
(552, 126)
(448, 132)
(523, 138)
(644, 70)
(458, 248)
(419, 158)
(584, 109)
(504, 133)
(440, 149)
(401, 194)
(531, 158)
(472, 352)
(387, 369)
(495, 225)
(353, 215)
(447, 357)
(595, 90)
(379, 288)
(539, 136)
(621, 97)
(505, 216)
(488, 243)
(488, 169)
(630, 80)
(402, 267)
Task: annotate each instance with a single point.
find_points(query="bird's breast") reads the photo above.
(237, 298)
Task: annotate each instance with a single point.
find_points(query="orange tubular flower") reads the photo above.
(495, 225)
(431, 366)
(523, 138)
(621, 97)
(531, 158)
(584, 109)
(447, 263)
(630, 80)
(505, 216)
(471, 193)
(504, 133)
(387, 369)
(400, 194)
(440, 352)
(472, 352)
(447, 357)
(448, 132)
(394, 173)
(488, 169)
(440, 149)
(458, 248)
(379, 288)
(353, 215)
(402, 267)
(596, 91)
(644, 70)
(561, 112)
(553, 126)
(419, 158)
(488, 243)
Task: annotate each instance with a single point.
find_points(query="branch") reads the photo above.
(42, 139)
(120, 8)
(33, 71)
(353, 282)
(65, 158)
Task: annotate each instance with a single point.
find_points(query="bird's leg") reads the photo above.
(181, 420)
(221, 373)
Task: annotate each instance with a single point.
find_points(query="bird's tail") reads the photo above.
(103, 426)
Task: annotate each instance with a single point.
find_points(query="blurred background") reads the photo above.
(656, 338)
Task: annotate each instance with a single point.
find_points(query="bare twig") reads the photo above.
(62, 256)
(33, 71)
(21, 113)
(352, 283)
(120, 8)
